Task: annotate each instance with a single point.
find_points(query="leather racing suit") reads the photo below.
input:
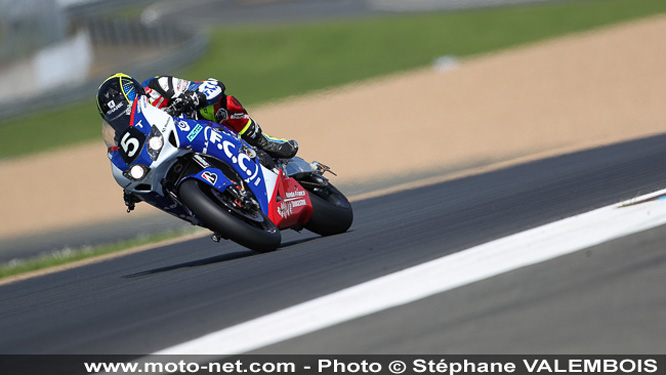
(208, 100)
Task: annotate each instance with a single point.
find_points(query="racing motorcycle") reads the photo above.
(206, 174)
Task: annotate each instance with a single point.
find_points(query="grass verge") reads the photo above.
(267, 63)
(72, 257)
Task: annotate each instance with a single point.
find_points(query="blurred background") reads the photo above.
(68, 46)
(54, 54)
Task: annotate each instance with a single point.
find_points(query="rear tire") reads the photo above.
(331, 211)
(251, 229)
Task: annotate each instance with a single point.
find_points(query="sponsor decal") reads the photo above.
(210, 177)
(201, 161)
(182, 85)
(295, 194)
(221, 115)
(286, 208)
(210, 89)
(242, 160)
(212, 136)
(193, 134)
(183, 125)
(298, 203)
(113, 108)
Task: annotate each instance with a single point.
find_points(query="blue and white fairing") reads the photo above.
(154, 141)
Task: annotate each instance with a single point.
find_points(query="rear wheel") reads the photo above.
(222, 213)
(331, 211)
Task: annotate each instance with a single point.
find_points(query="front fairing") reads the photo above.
(182, 136)
(131, 144)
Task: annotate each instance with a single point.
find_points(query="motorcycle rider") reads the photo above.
(118, 93)
(208, 100)
(203, 99)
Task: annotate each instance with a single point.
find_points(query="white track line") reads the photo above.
(446, 273)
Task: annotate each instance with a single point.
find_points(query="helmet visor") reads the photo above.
(118, 117)
(109, 135)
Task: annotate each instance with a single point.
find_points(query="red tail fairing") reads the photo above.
(290, 204)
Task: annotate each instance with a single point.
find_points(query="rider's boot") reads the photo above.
(277, 148)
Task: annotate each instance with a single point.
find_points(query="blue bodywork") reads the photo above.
(193, 136)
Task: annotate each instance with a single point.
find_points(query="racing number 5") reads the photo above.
(128, 142)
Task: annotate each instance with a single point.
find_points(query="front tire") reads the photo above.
(217, 212)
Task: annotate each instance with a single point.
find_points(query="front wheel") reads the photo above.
(331, 211)
(220, 212)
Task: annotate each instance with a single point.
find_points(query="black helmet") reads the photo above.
(114, 99)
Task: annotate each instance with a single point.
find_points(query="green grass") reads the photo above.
(52, 129)
(268, 63)
(264, 64)
(68, 256)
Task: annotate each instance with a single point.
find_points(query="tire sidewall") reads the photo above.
(217, 219)
(329, 218)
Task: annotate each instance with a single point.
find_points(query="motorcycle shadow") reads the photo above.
(194, 263)
(298, 241)
(215, 259)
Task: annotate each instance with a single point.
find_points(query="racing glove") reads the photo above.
(187, 102)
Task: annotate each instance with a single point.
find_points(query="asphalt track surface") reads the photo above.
(606, 299)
